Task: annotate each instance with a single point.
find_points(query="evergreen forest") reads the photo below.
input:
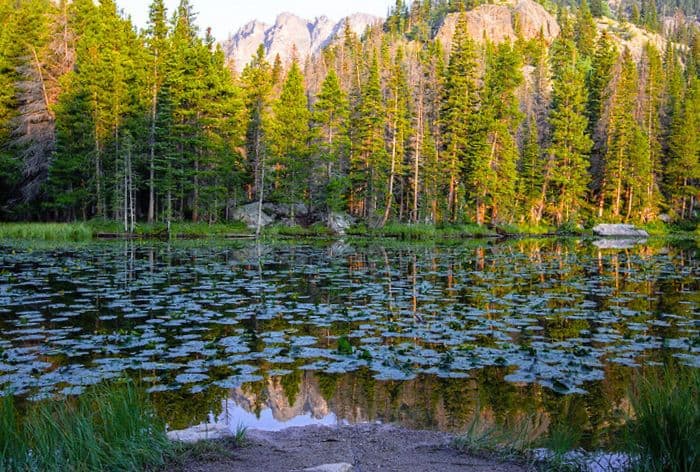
(103, 120)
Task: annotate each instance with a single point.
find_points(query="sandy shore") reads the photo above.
(370, 447)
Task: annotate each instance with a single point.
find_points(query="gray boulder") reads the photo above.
(248, 214)
(285, 210)
(339, 223)
(619, 231)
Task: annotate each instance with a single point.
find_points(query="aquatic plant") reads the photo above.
(109, 427)
(664, 434)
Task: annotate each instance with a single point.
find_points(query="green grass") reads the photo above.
(421, 231)
(664, 434)
(526, 229)
(110, 427)
(177, 229)
(46, 231)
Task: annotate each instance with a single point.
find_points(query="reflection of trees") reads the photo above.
(181, 409)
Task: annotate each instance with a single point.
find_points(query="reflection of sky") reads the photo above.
(235, 416)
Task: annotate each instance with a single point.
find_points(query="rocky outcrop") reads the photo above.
(497, 22)
(248, 214)
(629, 36)
(290, 36)
(619, 231)
(339, 223)
(284, 210)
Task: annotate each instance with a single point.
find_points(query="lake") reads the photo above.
(280, 334)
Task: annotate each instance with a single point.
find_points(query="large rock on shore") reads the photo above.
(248, 214)
(339, 223)
(619, 231)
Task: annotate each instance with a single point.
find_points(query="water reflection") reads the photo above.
(421, 334)
(426, 402)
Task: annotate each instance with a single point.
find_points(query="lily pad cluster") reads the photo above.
(191, 318)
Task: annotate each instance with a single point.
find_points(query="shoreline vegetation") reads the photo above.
(104, 230)
(114, 426)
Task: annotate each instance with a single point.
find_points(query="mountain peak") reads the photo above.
(290, 35)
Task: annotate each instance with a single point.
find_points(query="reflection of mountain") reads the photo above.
(428, 402)
(308, 399)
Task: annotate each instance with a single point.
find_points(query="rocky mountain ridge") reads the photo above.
(290, 36)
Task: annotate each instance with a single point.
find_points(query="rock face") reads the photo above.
(496, 22)
(630, 36)
(339, 223)
(248, 214)
(290, 36)
(620, 231)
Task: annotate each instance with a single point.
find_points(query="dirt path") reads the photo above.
(366, 447)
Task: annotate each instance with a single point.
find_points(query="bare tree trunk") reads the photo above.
(416, 160)
(390, 193)
(261, 195)
(152, 145)
(195, 201)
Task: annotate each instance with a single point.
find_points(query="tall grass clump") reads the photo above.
(664, 434)
(46, 231)
(507, 442)
(110, 427)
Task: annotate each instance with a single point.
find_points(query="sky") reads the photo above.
(226, 17)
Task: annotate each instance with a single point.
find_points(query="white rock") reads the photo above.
(617, 231)
(203, 432)
(340, 467)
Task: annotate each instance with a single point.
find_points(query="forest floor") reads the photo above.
(368, 447)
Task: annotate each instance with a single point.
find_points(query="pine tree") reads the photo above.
(157, 32)
(257, 86)
(492, 175)
(369, 161)
(567, 175)
(598, 8)
(626, 165)
(599, 81)
(683, 168)
(290, 140)
(649, 112)
(530, 172)
(458, 111)
(330, 122)
(69, 174)
(399, 126)
(586, 31)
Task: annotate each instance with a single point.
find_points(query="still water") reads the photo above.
(288, 334)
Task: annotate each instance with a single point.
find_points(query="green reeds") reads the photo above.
(110, 427)
(46, 231)
(664, 434)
